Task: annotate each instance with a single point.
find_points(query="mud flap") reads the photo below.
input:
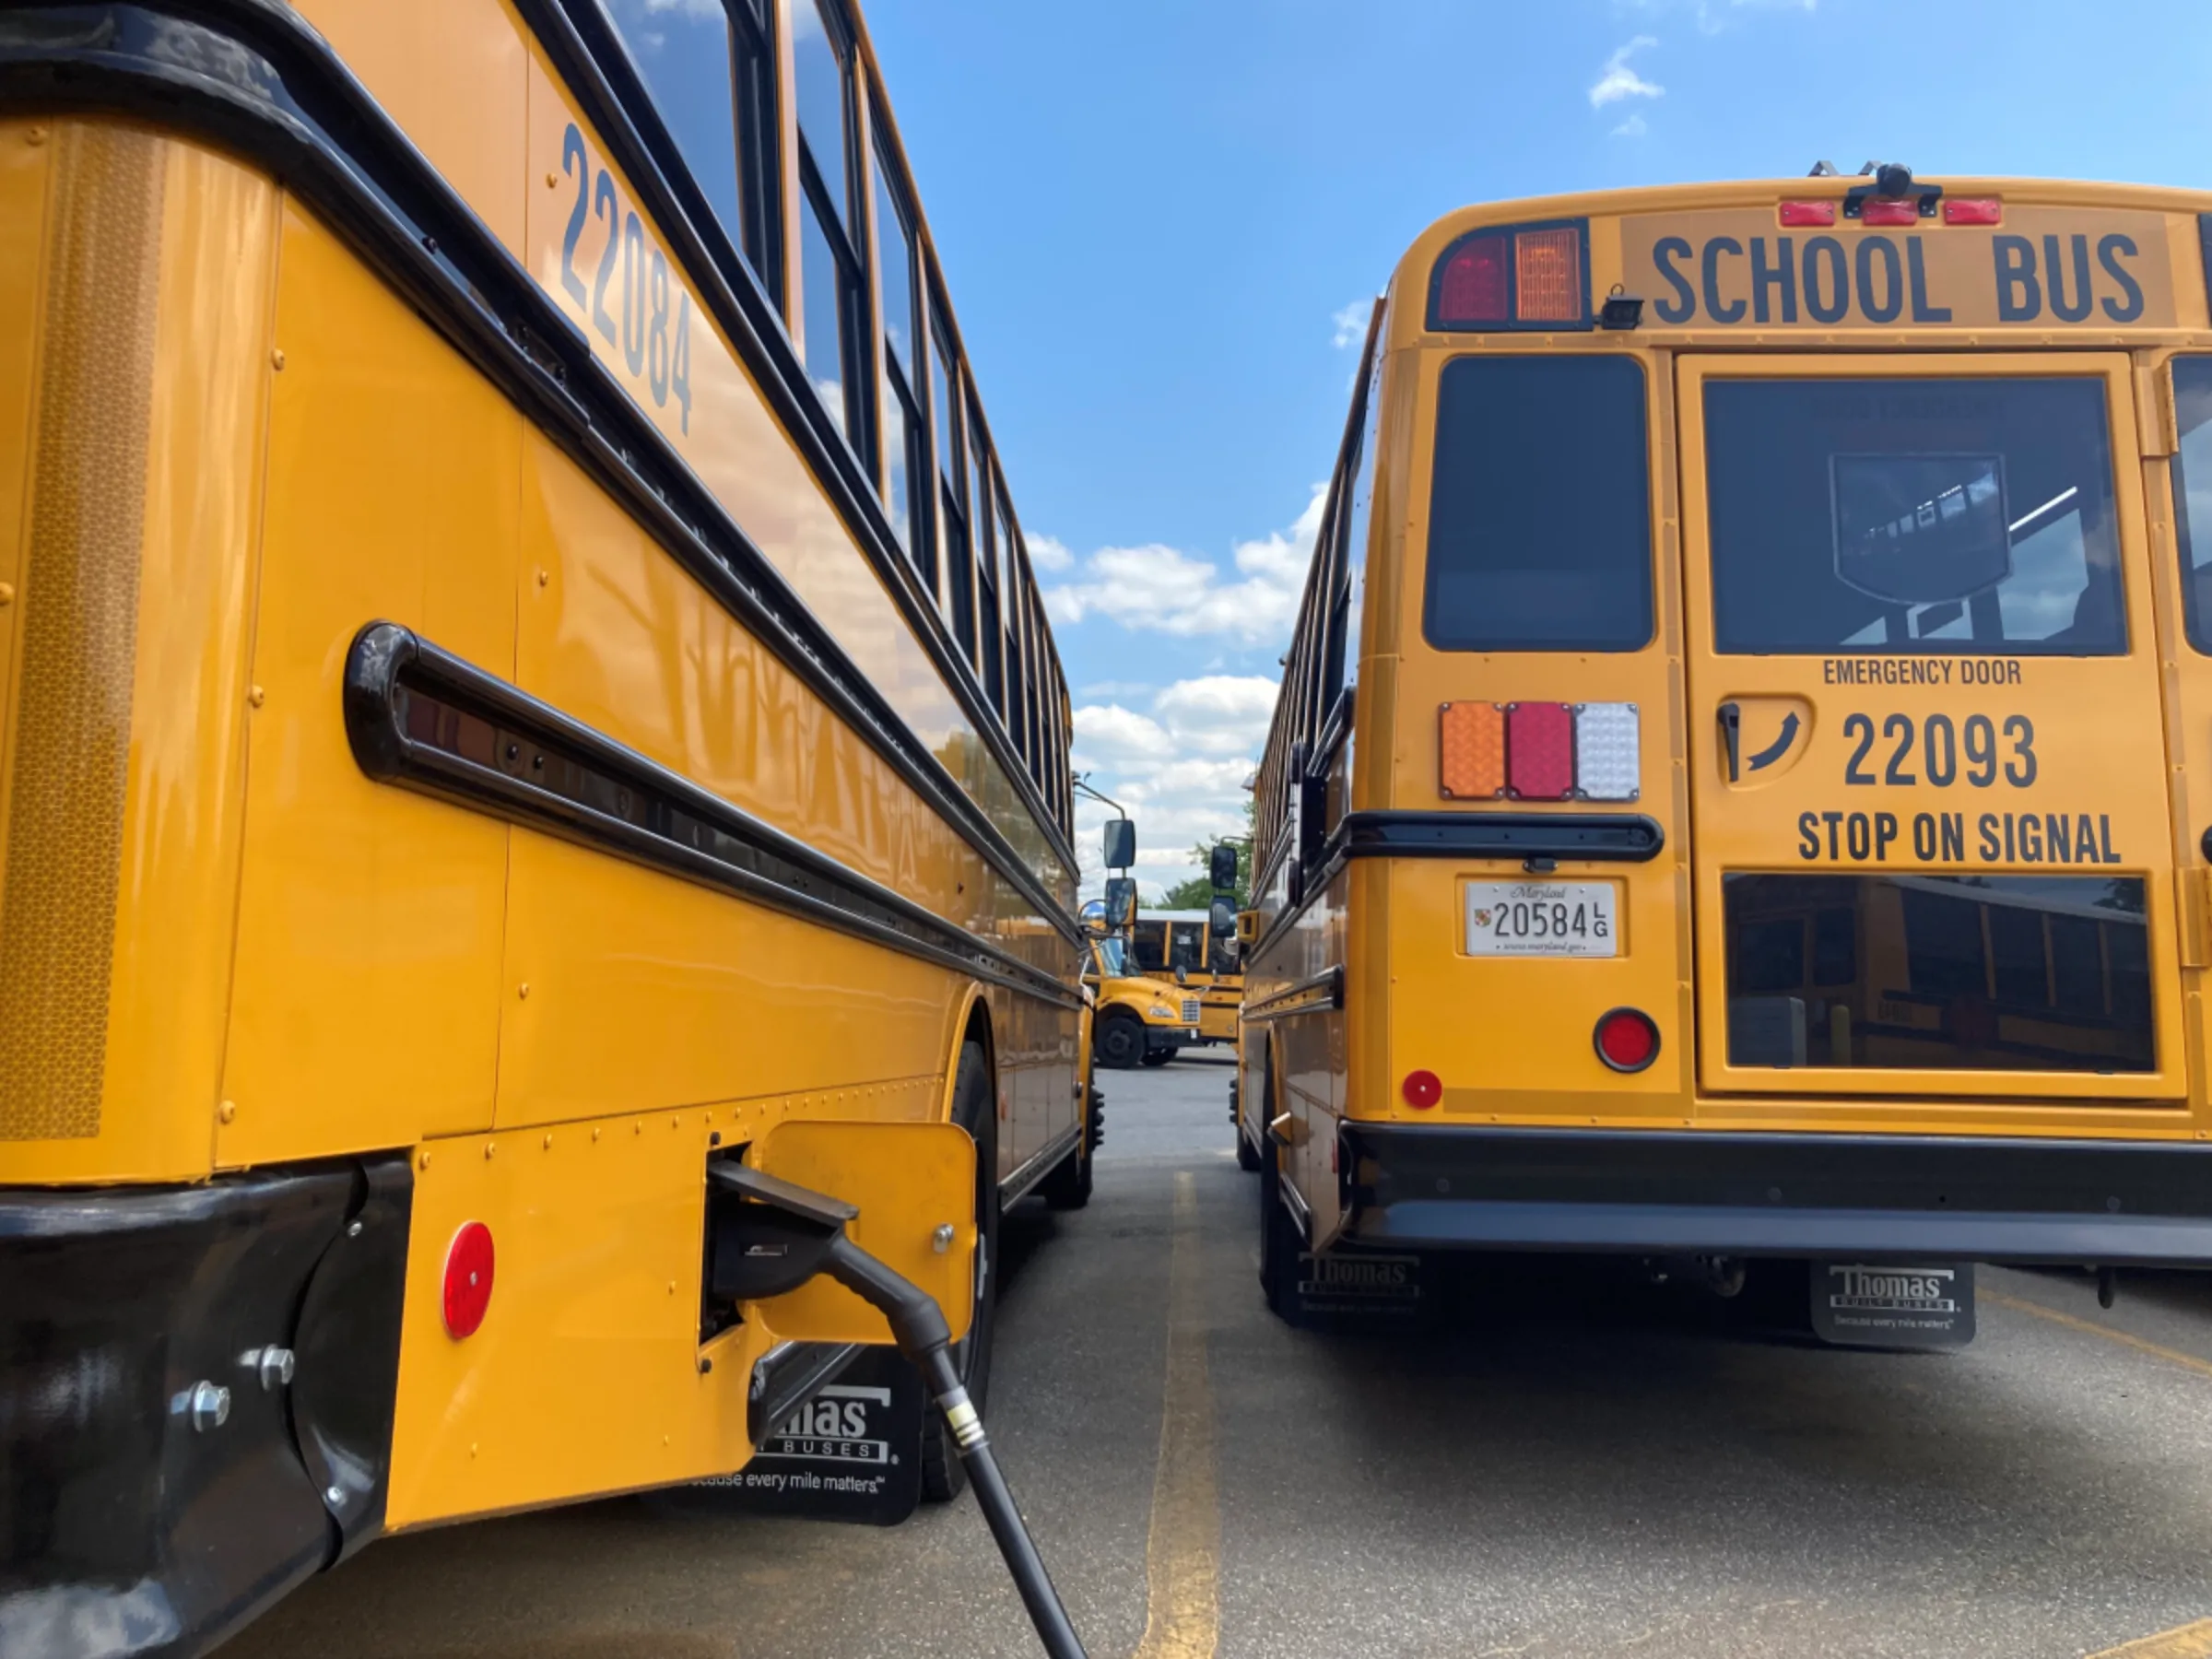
(1367, 1286)
(853, 1452)
(1885, 1305)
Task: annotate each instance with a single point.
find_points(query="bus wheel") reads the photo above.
(944, 1476)
(1120, 1043)
(1068, 1186)
(1158, 1056)
(1279, 1242)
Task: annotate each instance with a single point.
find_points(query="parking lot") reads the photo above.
(1581, 1463)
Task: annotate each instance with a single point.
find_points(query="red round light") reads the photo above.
(1422, 1089)
(1626, 1040)
(467, 1280)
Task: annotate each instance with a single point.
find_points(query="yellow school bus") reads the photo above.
(1739, 787)
(1181, 946)
(1137, 1019)
(520, 684)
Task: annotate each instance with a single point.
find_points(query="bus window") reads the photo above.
(2192, 493)
(905, 467)
(1186, 946)
(1539, 517)
(1148, 946)
(684, 58)
(1875, 515)
(829, 256)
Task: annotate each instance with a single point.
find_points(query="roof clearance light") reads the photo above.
(1474, 283)
(1626, 1040)
(1548, 269)
(1471, 751)
(1880, 210)
(1808, 213)
(1422, 1089)
(1972, 210)
(467, 1280)
(1606, 752)
(1539, 750)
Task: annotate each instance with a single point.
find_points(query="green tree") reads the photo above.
(1198, 893)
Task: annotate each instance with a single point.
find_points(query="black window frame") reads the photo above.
(754, 86)
(844, 232)
(2196, 610)
(902, 379)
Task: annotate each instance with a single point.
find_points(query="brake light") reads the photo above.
(468, 1261)
(1972, 210)
(1547, 285)
(1471, 737)
(1539, 750)
(1422, 1089)
(1513, 276)
(1879, 210)
(1626, 1040)
(1808, 213)
(1475, 278)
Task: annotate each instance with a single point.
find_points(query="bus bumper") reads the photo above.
(1866, 1197)
(197, 1387)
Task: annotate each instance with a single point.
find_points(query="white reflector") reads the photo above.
(1606, 760)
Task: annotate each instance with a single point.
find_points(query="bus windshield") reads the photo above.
(1895, 514)
(1112, 957)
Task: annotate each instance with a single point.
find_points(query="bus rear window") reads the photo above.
(1540, 514)
(1899, 515)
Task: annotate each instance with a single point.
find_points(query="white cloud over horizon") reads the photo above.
(1618, 79)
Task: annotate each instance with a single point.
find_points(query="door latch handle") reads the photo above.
(1732, 736)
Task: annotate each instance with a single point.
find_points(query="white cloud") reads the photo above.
(1616, 81)
(1049, 553)
(1351, 325)
(1634, 126)
(1160, 588)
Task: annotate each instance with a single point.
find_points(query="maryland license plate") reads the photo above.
(1542, 918)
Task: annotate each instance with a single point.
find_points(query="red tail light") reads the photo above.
(1880, 210)
(1422, 1089)
(1474, 284)
(467, 1280)
(1539, 750)
(1626, 1040)
(1808, 213)
(1972, 210)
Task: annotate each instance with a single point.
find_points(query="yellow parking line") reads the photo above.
(2190, 1641)
(1182, 1549)
(2093, 1328)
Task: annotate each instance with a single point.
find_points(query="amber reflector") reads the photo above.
(1471, 737)
(1548, 270)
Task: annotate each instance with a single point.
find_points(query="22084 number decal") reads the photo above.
(650, 321)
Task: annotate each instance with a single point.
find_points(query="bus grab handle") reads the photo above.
(789, 1235)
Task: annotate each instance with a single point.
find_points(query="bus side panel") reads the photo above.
(584, 1377)
(1312, 1047)
(126, 742)
(368, 990)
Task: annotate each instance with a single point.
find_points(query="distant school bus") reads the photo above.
(520, 685)
(1738, 790)
(1180, 945)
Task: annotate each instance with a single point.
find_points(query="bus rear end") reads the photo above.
(1770, 832)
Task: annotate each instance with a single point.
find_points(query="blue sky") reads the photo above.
(1152, 215)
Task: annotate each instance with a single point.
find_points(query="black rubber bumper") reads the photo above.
(1875, 1197)
(163, 1475)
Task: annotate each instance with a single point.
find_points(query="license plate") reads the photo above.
(1542, 918)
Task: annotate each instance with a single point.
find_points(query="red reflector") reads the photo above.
(1422, 1089)
(1626, 1040)
(1549, 268)
(1808, 213)
(1539, 750)
(1474, 283)
(1972, 210)
(1877, 210)
(467, 1280)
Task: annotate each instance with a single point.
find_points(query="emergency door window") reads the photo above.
(2192, 493)
(1870, 515)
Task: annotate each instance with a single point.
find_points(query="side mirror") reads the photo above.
(1221, 922)
(1222, 868)
(1121, 901)
(1121, 844)
(1182, 976)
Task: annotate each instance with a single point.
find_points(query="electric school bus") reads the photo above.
(1742, 786)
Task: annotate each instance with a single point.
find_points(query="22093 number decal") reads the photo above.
(650, 323)
(1980, 750)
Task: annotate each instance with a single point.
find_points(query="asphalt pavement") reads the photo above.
(1577, 1463)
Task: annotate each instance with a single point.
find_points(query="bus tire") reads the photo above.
(1068, 1186)
(1158, 1056)
(1120, 1042)
(1279, 1242)
(944, 1476)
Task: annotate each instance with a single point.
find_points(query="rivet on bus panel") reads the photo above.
(36, 136)
(522, 990)
(255, 696)
(7, 595)
(276, 359)
(227, 1111)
